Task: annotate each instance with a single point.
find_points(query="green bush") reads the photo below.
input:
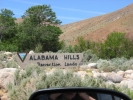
(6, 46)
(67, 49)
(81, 46)
(116, 45)
(38, 48)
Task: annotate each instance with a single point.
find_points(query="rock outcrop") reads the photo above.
(6, 76)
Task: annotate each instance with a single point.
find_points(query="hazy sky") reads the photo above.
(68, 11)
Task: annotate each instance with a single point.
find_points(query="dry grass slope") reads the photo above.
(98, 28)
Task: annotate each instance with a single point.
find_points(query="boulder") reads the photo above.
(128, 83)
(127, 76)
(113, 77)
(110, 83)
(131, 76)
(4, 97)
(6, 76)
(104, 74)
(96, 74)
(92, 65)
(83, 66)
(128, 71)
(9, 54)
(81, 74)
(121, 73)
(10, 58)
(31, 52)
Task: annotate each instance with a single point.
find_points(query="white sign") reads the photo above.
(49, 59)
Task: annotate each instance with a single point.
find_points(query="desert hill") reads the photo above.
(98, 28)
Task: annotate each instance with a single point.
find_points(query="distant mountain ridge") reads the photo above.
(97, 28)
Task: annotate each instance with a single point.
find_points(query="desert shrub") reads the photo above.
(83, 67)
(24, 86)
(105, 65)
(115, 64)
(129, 93)
(119, 63)
(108, 69)
(11, 64)
(5, 63)
(122, 63)
(59, 79)
(128, 64)
(2, 65)
(91, 82)
(2, 56)
(23, 83)
(88, 56)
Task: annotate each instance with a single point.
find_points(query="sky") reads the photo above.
(68, 11)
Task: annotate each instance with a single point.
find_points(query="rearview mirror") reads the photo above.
(78, 94)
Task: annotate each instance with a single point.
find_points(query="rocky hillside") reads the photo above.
(98, 28)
